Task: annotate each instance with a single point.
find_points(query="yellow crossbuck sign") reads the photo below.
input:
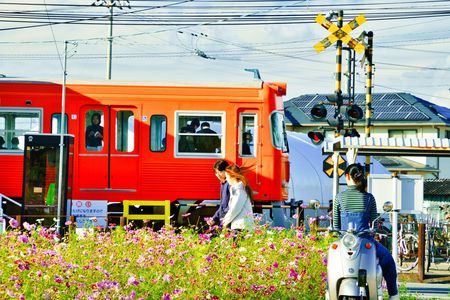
(339, 33)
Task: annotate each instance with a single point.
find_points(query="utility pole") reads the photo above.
(110, 5)
(369, 73)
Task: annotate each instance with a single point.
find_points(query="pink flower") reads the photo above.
(13, 223)
(58, 279)
(295, 216)
(185, 216)
(29, 227)
(23, 238)
(275, 264)
(167, 277)
(132, 280)
(166, 296)
(209, 221)
(293, 274)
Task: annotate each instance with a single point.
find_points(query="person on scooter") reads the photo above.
(356, 206)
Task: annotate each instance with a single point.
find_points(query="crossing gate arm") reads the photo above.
(147, 203)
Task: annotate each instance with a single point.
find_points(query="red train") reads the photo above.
(143, 147)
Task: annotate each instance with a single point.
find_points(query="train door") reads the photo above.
(247, 136)
(108, 148)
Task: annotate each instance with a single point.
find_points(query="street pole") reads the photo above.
(338, 92)
(61, 141)
(110, 41)
(110, 5)
(394, 218)
(369, 66)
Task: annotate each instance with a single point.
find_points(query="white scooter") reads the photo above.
(353, 269)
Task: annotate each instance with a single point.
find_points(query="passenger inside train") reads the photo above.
(94, 134)
(2, 143)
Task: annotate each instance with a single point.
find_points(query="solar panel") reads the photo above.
(386, 106)
(377, 96)
(405, 109)
(386, 109)
(399, 102)
(376, 115)
(360, 97)
(388, 116)
(391, 97)
(308, 97)
(381, 103)
(416, 116)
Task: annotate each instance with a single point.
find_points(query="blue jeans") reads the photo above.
(388, 267)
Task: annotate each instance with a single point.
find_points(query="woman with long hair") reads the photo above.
(240, 212)
(356, 208)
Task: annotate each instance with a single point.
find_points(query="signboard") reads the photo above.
(90, 213)
(328, 166)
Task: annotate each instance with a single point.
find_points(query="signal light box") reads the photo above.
(404, 191)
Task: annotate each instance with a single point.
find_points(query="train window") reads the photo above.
(94, 130)
(125, 131)
(200, 134)
(279, 137)
(248, 135)
(14, 124)
(56, 123)
(158, 133)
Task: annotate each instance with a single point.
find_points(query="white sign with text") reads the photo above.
(90, 213)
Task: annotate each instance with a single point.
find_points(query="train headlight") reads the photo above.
(349, 240)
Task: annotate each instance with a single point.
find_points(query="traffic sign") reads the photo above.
(339, 33)
(328, 166)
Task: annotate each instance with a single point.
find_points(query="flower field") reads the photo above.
(269, 263)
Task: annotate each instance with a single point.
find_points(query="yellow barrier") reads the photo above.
(163, 203)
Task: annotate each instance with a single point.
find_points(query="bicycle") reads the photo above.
(408, 247)
(438, 245)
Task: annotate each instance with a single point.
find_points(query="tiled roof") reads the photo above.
(437, 187)
(387, 108)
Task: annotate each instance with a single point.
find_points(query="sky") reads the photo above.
(215, 41)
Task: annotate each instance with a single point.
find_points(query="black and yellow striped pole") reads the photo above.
(338, 75)
(369, 73)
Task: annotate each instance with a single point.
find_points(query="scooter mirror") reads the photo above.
(314, 204)
(388, 206)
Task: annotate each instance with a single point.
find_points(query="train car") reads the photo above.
(156, 141)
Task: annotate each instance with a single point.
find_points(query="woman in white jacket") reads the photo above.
(240, 212)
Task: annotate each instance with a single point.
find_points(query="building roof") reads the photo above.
(388, 108)
(402, 164)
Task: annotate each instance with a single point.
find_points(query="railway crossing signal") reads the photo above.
(319, 112)
(316, 137)
(339, 33)
(328, 166)
(354, 113)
